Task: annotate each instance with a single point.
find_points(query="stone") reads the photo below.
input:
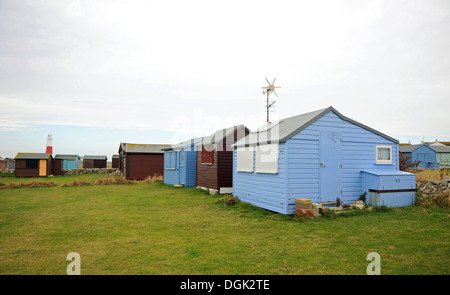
(360, 207)
(304, 212)
(316, 206)
(303, 203)
(316, 212)
(359, 202)
(323, 210)
(213, 191)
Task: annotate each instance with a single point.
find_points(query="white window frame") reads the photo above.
(245, 159)
(261, 163)
(383, 161)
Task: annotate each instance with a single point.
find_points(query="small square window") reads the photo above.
(383, 154)
(207, 155)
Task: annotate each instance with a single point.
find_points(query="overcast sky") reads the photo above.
(96, 73)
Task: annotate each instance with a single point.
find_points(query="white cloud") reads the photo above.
(154, 64)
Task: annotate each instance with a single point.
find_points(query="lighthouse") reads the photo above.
(49, 149)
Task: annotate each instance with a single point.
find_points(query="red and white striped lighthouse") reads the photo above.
(49, 149)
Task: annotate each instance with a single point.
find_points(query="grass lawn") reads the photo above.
(150, 228)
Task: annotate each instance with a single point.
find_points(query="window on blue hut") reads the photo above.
(266, 158)
(244, 159)
(383, 154)
(170, 160)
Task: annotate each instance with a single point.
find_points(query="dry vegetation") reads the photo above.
(432, 174)
(83, 181)
(154, 178)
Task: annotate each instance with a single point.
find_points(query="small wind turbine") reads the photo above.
(267, 90)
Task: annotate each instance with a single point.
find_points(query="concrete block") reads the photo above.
(303, 203)
(226, 190)
(213, 191)
(358, 202)
(316, 206)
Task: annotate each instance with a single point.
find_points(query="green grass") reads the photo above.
(150, 228)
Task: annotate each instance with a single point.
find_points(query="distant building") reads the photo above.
(138, 161)
(180, 163)
(69, 161)
(420, 152)
(115, 161)
(3, 164)
(10, 163)
(33, 164)
(94, 161)
(433, 156)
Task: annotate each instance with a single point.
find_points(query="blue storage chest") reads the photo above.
(389, 188)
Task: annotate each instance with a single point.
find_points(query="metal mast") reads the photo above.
(267, 90)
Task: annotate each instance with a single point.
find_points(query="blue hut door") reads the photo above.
(330, 168)
(183, 167)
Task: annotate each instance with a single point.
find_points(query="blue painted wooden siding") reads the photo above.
(172, 168)
(358, 153)
(424, 154)
(171, 175)
(191, 169)
(299, 166)
(71, 164)
(261, 189)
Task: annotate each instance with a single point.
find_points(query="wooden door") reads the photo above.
(42, 167)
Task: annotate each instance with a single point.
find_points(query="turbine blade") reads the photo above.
(275, 93)
(273, 83)
(267, 81)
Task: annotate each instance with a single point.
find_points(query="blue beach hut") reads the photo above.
(321, 155)
(69, 161)
(180, 163)
(421, 152)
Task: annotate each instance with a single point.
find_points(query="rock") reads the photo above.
(360, 207)
(323, 210)
(358, 202)
(303, 203)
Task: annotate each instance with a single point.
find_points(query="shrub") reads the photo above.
(405, 164)
(441, 199)
(230, 200)
(113, 179)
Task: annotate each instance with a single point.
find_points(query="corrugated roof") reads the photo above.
(282, 130)
(94, 157)
(66, 157)
(33, 156)
(143, 148)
